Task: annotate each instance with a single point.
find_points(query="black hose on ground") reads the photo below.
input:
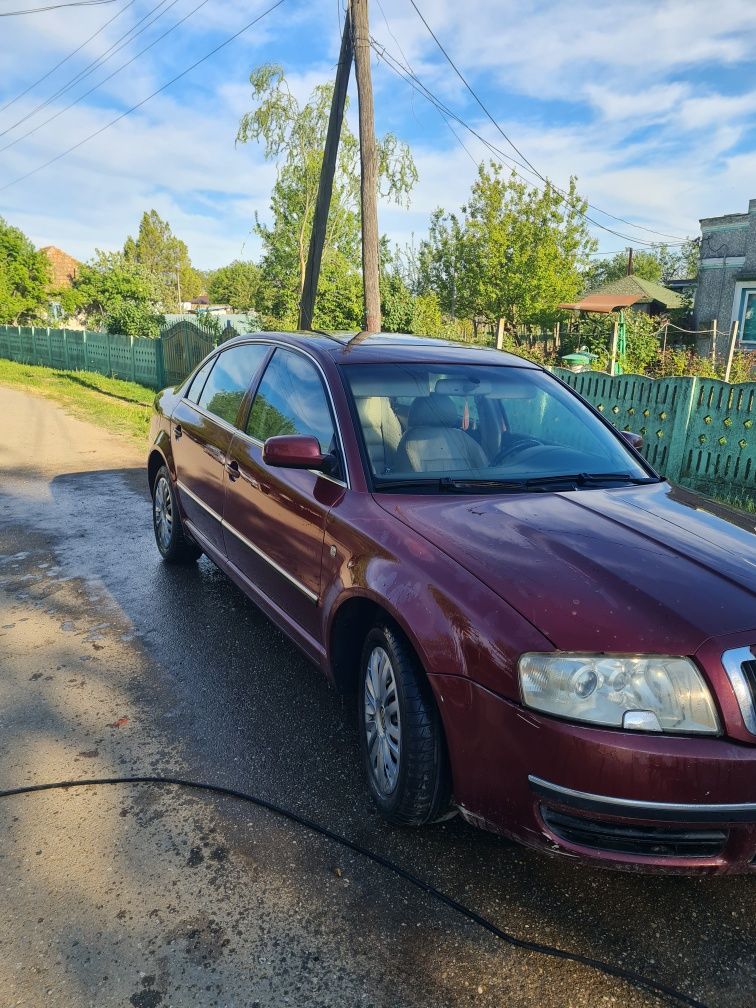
(636, 979)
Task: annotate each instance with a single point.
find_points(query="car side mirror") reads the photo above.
(296, 451)
(636, 440)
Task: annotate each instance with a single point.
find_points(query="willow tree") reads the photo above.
(293, 135)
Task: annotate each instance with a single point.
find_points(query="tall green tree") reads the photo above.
(120, 295)
(659, 262)
(166, 257)
(514, 253)
(24, 278)
(236, 284)
(293, 135)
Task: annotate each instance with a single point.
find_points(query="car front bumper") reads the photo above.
(621, 799)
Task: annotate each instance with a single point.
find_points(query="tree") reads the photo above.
(236, 284)
(24, 278)
(294, 136)
(120, 295)
(659, 263)
(166, 257)
(514, 254)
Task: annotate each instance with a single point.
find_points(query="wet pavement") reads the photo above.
(113, 664)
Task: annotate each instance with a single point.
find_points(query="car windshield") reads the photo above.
(426, 424)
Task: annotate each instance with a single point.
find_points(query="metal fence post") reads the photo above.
(133, 361)
(49, 347)
(65, 348)
(107, 346)
(86, 357)
(681, 418)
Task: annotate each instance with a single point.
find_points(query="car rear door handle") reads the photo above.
(232, 468)
(177, 432)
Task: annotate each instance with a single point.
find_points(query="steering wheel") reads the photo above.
(518, 443)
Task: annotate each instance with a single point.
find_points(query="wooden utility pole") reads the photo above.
(368, 165)
(327, 172)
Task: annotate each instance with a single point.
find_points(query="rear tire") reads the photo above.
(174, 545)
(401, 737)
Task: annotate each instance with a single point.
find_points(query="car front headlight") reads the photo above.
(641, 692)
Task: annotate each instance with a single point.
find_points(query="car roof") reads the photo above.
(364, 348)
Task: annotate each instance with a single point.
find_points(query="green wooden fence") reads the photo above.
(152, 362)
(699, 432)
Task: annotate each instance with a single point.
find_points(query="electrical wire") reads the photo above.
(144, 101)
(89, 69)
(407, 63)
(110, 76)
(54, 7)
(66, 58)
(619, 972)
(418, 85)
(516, 149)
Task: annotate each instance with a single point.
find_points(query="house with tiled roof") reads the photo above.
(63, 267)
(648, 296)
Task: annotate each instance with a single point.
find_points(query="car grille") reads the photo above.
(749, 671)
(740, 666)
(653, 841)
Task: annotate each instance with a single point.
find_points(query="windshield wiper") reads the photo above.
(445, 484)
(592, 479)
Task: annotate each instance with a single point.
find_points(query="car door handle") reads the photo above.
(232, 468)
(177, 431)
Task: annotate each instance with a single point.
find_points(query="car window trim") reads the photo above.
(346, 482)
(190, 384)
(246, 406)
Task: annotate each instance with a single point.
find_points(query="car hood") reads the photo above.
(652, 569)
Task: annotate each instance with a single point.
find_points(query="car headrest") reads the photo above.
(433, 410)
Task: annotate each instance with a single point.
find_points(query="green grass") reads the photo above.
(743, 502)
(120, 406)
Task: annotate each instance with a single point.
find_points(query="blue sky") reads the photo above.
(650, 104)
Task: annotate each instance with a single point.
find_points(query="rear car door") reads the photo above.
(202, 428)
(274, 518)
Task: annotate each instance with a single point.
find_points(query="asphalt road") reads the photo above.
(112, 663)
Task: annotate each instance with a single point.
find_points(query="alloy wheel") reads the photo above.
(382, 721)
(163, 507)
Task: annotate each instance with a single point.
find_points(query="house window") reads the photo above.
(748, 315)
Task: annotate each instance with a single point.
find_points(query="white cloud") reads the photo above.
(633, 98)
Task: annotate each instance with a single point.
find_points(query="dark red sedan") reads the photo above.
(540, 631)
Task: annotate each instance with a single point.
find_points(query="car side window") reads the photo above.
(291, 400)
(198, 382)
(229, 380)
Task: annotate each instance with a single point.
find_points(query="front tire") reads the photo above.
(174, 545)
(401, 737)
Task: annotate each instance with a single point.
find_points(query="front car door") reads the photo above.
(274, 518)
(202, 428)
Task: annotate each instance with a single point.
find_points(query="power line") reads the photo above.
(418, 85)
(53, 7)
(86, 94)
(517, 150)
(89, 69)
(144, 101)
(444, 118)
(66, 58)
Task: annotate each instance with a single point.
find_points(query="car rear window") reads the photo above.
(230, 378)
